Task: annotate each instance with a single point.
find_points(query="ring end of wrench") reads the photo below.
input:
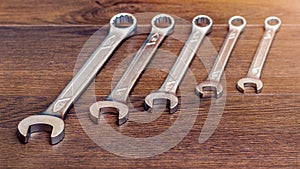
(237, 22)
(202, 22)
(125, 22)
(163, 23)
(37, 123)
(97, 108)
(208, 89)
(172, 101)
(273, 23)
(249, 82)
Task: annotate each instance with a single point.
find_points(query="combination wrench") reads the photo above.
(122, 26)
(116, 101)
(201, 26)
(213, 84)
(252, 78)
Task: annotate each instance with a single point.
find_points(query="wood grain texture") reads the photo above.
(82, 12)
(39, 51)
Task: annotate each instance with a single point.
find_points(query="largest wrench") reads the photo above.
(122, 26)
(212, 83)
(116, 101)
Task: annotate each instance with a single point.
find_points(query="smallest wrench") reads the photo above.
(213, 84)
(201, 26)
(252, 78)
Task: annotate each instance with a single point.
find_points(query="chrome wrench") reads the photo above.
(252, 78)
(201, 26)
(213, 81)
(122, 26)
(116, 101)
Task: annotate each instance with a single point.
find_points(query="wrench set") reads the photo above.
(124, 25)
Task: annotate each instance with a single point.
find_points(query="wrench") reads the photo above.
(122, 26)
(116, 101)
(237, 25)
(168, 89)
(252, 78)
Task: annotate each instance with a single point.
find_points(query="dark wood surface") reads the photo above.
(39, 45)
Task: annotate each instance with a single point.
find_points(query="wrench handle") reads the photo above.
(223, 56)
(224, 53)
(85, 75)
(82, 79)
(185, 57)
(139, 62)
(256, 67)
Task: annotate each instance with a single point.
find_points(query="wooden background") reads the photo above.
(39, 45)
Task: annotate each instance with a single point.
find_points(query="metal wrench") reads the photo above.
(212, 83)
(122, 26)
(201, 26)
(116, 101)
(252, 78)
